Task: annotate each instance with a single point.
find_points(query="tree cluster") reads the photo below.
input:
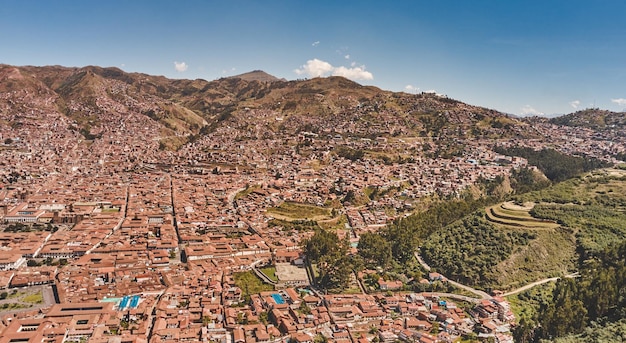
(468, 250)
(598, 296)
(330, 254)
(349, 153)
(555, 165)
(599, 225)
(524, 180)
(396, 244)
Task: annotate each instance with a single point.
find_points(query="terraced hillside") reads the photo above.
(551, 251)
(514, 216)
(538, 235)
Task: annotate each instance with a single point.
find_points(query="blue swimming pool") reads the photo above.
(134, 301)
(124, 302)
(278, 298)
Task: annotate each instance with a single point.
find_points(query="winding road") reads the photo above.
(537, 283)
(481, 294)
(484, 295)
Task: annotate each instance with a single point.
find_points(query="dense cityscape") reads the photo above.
(110, 236)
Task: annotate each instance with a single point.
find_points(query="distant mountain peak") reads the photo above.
(257, 75)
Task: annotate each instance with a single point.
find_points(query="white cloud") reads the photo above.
(529, 110)
(411, 89)
(315, 68)
(319, 68)
(354, 73)
(575, 104)
(180, 66)
(620, 101)
(347, 56)
(316, 43)
(432, 91)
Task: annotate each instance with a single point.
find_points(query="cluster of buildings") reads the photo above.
(197, 311)
(143, 244)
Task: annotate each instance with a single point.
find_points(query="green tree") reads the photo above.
(319, 338)
(320, 244)
(403, 242)
(331, 255)
(566, 314)
(435, 329)
(375, 250)
(263, 317)
(524, 331)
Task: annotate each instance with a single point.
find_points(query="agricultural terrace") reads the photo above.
(515, 216)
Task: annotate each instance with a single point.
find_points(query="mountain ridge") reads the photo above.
(183, 107)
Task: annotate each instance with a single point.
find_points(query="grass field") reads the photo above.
(297, 211)
(250, 283)
(246, 192)
(270, 272)
(35, 298)
(337, 223)
(549, 254)
(15, 300)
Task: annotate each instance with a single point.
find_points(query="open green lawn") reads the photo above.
(250, 283)
(246, 192)
(35, 298)
(270, 272)
(337, 223)
(18, 300)
(297, 211)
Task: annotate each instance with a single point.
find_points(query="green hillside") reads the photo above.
(551, 232)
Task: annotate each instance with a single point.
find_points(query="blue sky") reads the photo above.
(522, 57)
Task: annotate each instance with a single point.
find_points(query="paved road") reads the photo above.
(537, 283)
(484, 295)
(481, 294)
(451, 296)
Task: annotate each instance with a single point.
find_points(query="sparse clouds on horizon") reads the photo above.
(180, 66)
(575, 104)
(354, 73)
(316, 43)
(319, 68)
(620, 101)
(315, 68)
(411, 89)
(530, 111)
